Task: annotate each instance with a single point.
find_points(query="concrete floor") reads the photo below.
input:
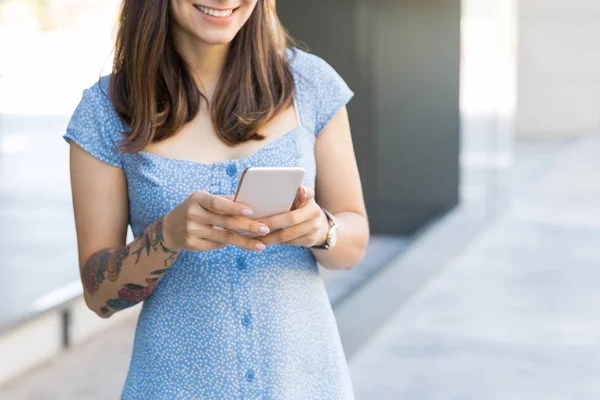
(516, 315)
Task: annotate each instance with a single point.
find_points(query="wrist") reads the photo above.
(328, 233)
(323, 229)
(167, 235)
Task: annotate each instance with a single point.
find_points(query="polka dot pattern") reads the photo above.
(229, 323)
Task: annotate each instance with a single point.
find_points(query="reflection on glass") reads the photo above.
(50, 50)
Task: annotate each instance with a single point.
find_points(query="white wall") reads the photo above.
(559, 68)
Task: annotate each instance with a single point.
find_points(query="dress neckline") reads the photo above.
(280, 139)
(285, 136)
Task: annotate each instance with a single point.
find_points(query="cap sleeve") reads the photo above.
(88, 127)
(332, 93)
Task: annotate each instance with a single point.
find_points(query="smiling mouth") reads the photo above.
(214, 12)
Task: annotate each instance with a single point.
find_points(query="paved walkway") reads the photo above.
(517, 316)
(95, 370)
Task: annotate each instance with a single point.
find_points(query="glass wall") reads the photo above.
(50, 50)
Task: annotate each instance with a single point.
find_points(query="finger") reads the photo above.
(304, 195)
(291, 218)
(220, 204)
(306, 241)
(286, 219)
(204, 244)
(234, 223)
(309, 193)
(291, 234)
(229, 196)
(225, 236)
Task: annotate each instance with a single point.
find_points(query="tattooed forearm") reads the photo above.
(152, 238)
(93, 271)
(130, 295)
(148, 249)
(105, 262)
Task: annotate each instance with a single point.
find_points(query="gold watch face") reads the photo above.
(332, 236)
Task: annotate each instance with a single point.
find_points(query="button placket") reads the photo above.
(232, 173)
(215, 180)
(245, 321)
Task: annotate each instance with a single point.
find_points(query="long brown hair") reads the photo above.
(155, 95)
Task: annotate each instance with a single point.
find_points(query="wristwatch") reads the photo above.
(332, 234)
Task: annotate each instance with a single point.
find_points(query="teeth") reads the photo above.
(215, 13)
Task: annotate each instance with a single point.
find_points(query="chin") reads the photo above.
(216, 39)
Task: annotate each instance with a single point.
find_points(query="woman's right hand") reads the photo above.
(206, 222)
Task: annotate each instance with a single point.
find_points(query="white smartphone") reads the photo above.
(268, 191)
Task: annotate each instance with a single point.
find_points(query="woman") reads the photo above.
(200, 90)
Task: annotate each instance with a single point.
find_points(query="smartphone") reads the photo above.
(268, 191)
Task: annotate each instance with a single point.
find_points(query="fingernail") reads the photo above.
(260, 246)
(247, 212)
(303, 191)
(264, 229)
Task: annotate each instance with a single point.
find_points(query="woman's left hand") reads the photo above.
(305, 225)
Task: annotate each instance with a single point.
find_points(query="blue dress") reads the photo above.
(228, 323)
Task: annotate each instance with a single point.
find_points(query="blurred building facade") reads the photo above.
(402, 59)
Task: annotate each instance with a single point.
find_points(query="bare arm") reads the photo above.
(116, 275)
(338, 189)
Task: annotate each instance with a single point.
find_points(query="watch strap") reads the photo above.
(331, 222)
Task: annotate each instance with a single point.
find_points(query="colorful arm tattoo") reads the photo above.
(108, 264)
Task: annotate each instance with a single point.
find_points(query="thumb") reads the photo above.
(303, 196)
